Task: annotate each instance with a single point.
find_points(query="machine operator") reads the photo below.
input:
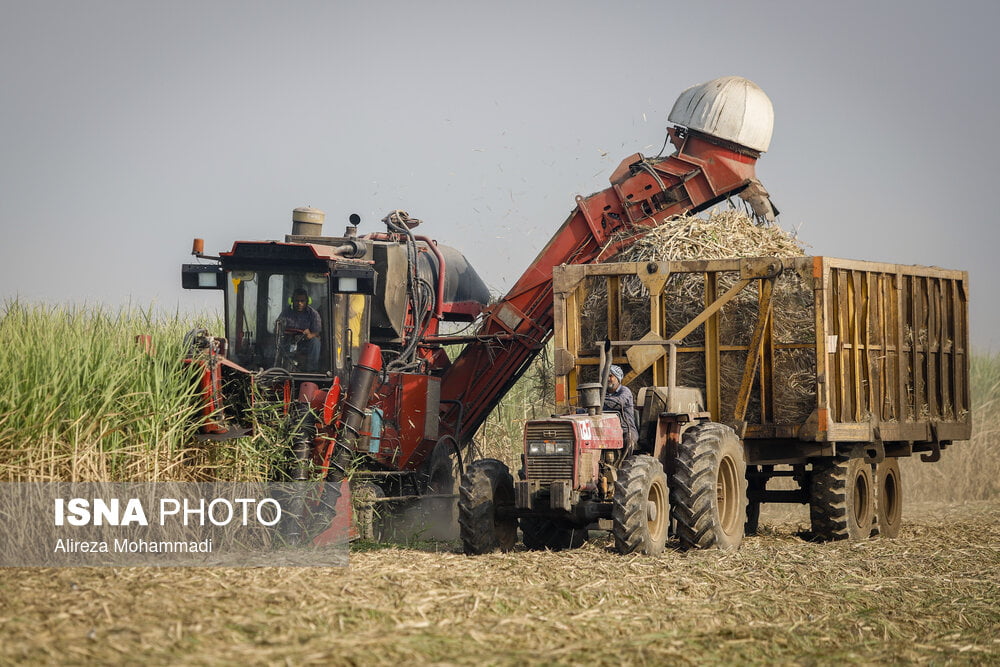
(618, 398)
(301, 317)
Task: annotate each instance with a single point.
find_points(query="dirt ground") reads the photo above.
(932, 595)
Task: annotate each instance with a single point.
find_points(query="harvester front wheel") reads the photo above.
(543, 533)
(888, 497)
(486, 493)
(709, 488)
(842, 499)
(367, 518)
(640, 512)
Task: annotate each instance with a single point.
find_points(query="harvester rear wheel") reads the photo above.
(842, 499)
(443, 479)
(543, 533)
(888, 497)
(487, 490)
(640, 512)
(709, 488)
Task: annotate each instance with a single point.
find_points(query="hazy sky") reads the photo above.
(129, 127)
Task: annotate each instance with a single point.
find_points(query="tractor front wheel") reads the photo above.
(485, 497)
(640, 512)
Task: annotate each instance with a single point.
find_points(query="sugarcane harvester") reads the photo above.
(344, 333)
(381, 397)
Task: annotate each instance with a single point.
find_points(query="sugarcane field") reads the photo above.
(926, 597)
(418, 398)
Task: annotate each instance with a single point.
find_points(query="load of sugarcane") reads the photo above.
(719, 235)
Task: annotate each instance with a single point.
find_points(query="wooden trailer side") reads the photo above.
(802, 356)
(896, 355)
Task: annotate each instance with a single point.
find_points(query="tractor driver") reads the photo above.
(618, 398)
(303, 317)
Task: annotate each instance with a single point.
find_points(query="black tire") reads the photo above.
(640, 513)
(487, 488)
(754, 483)
(842, 499)
(443, 479)
(752, 525)
(544, 533)
(888, 497)
(709, 488)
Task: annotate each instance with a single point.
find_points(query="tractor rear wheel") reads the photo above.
(553, 534)
(888, 497)
(640, 512)
(842, 499)
(709, 488)
(487, 491)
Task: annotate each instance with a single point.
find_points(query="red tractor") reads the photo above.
(581, 471)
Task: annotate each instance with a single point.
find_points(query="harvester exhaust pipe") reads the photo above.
(352, 226)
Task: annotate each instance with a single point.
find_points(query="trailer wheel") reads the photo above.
(888, 497)
(543, 533)
(640, 512)
(487, 490)
(709, 488)
(842, 499)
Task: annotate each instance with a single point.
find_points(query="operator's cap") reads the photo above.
(617, 371)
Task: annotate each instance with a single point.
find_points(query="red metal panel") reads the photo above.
(410, 404)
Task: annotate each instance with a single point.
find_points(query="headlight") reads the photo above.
(540, 447)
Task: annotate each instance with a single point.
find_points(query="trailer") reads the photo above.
(826, 371)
